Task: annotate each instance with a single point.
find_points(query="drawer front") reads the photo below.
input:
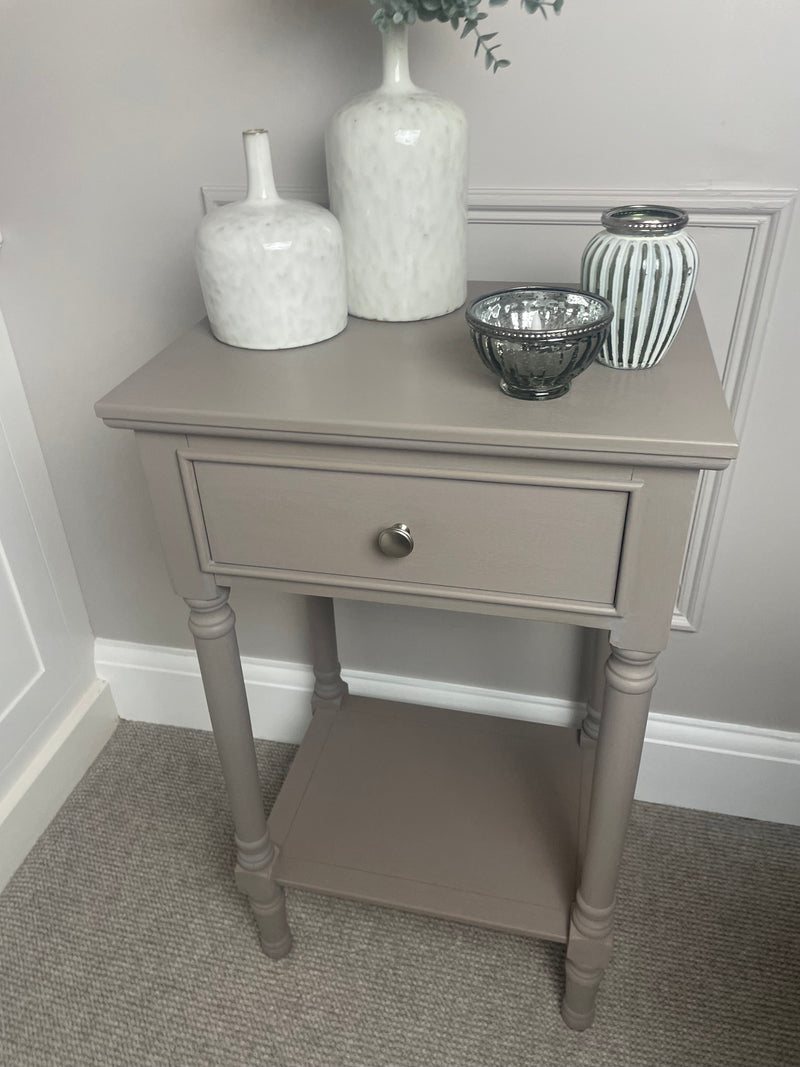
(470, 532)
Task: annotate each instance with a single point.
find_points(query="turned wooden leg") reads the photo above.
(329, 689)
(212, 623)
(630, 677)
(601, 650)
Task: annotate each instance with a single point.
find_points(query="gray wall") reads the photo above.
(115, 114)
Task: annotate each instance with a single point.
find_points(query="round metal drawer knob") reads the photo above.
(396, 540)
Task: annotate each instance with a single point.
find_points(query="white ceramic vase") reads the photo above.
(646, 265)
(397, 180)
(271, 270)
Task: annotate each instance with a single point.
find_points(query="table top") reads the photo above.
(423, 381)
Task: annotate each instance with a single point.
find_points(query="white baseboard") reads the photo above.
(45, 783)
(692, 763)
(162, 685)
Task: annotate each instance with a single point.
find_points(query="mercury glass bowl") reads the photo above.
(537, 338)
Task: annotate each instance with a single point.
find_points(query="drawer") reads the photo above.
(471, 532)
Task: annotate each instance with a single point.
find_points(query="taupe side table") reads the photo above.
(385, 464)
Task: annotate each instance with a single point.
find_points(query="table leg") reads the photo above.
(601, 650)
(630, 677)
(329, 689)
(213, 623)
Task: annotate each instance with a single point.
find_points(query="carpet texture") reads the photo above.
(124, 943)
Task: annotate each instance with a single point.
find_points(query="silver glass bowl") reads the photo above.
(537, 338)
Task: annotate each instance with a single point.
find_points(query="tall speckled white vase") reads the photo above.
(397, 180)
(271, 270)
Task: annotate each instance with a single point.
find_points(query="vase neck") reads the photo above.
(395, 59)
(260, 181)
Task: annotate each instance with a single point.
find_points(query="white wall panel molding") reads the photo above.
(539, 234)
(46, 632)
(22, 666)
(723, 767)
(47, 642)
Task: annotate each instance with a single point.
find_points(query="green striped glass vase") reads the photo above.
(645, 264)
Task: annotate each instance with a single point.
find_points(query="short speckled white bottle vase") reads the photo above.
(397, 180)
(646, 266)
(271, 270)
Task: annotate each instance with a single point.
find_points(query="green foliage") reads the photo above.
(463, 14)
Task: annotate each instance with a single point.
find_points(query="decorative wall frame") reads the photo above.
(519, 233)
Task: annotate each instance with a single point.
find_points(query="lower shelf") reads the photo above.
(467, 817)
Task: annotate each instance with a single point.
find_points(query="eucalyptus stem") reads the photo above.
(461, 14)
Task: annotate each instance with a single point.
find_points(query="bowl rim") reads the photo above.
(575, 332)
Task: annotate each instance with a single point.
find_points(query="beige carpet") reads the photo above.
(123, 943)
